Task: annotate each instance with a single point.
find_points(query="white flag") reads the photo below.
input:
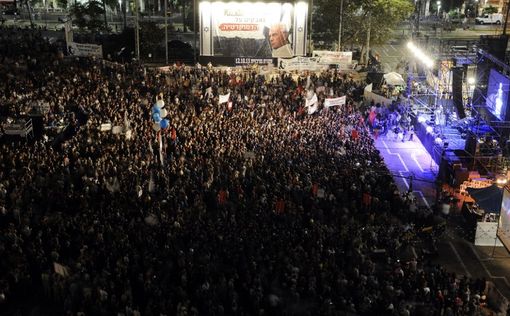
(68, 32)
(208, 93)
(224, 98)
(308, 82)
(312, 104)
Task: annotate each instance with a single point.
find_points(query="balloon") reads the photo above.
(155, 109)
(164, 124)
(156, 127)
(160, 103)
(163, 113)
(156, 117)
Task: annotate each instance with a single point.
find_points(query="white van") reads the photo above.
(494, 18)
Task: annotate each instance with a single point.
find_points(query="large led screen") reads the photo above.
(504, 219)
(497, 94)
(252, 29)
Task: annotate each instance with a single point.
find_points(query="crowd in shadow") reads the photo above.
(250, 207)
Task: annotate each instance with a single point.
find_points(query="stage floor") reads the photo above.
(410, 158)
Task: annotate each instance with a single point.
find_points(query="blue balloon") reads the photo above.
(164, 124)
(156, 117)
(156, 109)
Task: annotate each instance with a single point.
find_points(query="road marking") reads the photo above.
(460, 259)
(485, 268)
(423, 198)
(413, 156)
(404, 177)
(395, 154)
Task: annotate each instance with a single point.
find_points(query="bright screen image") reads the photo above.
(497, 94)
(252, 29)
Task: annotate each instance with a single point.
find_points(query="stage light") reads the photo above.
(438, 140)
(501, 180)
(471, 80)
(429, 129)
(422, 119)
(420, 55)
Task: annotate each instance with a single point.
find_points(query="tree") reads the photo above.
(88, 15)
(380, 16)
(151, 38)
(489, 10)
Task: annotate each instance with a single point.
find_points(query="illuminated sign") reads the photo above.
(253, 29)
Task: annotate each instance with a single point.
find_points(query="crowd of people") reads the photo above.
(249, 207)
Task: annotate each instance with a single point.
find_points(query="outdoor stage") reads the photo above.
(429, 135)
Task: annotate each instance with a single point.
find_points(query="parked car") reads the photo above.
(494, 18)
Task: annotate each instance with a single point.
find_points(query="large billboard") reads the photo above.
(497, 94)
(252, 32)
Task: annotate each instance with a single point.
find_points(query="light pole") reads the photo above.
(340, 25)
(166, 32)
(137, 33)
(418, 7)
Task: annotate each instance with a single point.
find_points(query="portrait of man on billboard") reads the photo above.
(279, 40)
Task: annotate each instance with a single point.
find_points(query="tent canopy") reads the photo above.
(394, 79)
(488, 198)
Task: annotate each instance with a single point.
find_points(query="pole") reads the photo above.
(311, 28)
(340, 25)
(195, 29)
(166, 32)
(137, 33)
(105, 18)
(368, 38)
(506, 17)
(418, 18)
(496, 237)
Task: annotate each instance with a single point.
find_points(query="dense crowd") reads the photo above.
(250, 207)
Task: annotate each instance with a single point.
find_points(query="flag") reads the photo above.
(224, 98)
(208, 93)
(308, 82)
(68, 32)
(312, 104)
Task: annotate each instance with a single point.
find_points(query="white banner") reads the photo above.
(333, 58)
(299, 63)
(224, 98)
(335, 101)
(85, 50)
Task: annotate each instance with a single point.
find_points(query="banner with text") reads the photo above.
(335, 101)
(299, 63)
(333, 58)
(85, 50)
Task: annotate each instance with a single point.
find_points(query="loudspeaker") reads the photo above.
(376, 79)
(457, 91)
